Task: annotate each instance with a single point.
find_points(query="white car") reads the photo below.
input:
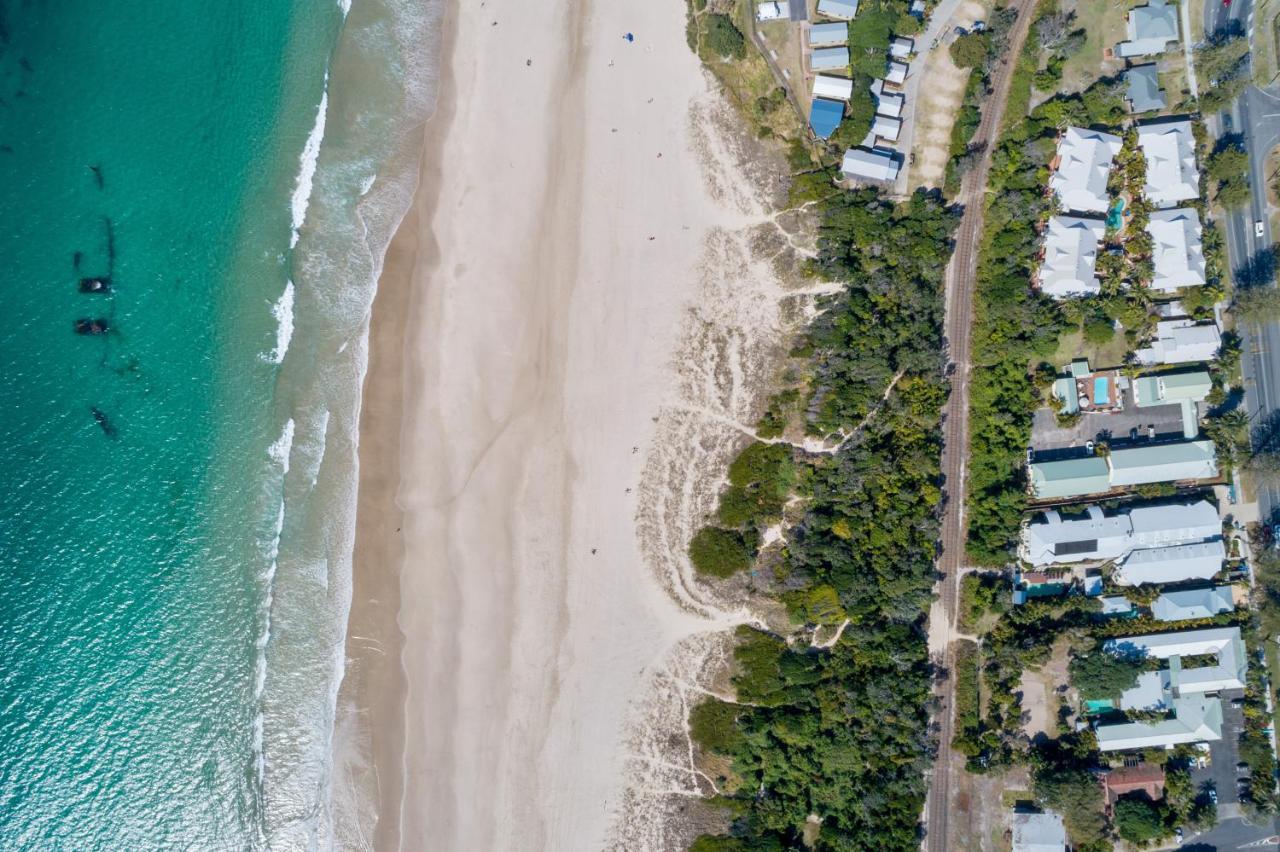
(1257, 229)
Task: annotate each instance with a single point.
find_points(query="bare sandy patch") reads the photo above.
(941, 93)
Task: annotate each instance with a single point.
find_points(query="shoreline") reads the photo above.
(375, 690)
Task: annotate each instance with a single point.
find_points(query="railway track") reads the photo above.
(960, 284)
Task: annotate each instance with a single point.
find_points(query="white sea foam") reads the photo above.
(307, 170)
(345, 6)
(363, 188)
(282, 310)
(281, 447)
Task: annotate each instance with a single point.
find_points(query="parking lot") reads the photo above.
(1224, 754)
(1046, 434)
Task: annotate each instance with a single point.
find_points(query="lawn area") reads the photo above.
(783, 39)
(1174, 82)
(1266, 47)
(1104, 25)
(1073, 345)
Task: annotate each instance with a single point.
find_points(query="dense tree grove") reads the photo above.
(842, 732)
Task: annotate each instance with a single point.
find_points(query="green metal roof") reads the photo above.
(1146, 391)
(1069, 477)
(1194, 386)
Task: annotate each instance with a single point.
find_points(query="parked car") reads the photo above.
(1177, 836)
(1257, 229)
(1242, 768)
(1212, 794)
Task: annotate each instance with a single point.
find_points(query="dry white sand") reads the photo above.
(594, 304)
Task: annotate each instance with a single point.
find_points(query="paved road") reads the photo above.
(1256, 116)
(961, 274)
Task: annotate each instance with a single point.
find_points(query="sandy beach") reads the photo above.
(570, 332)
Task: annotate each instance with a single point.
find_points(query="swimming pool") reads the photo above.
(1115, 216)
(1101, 396)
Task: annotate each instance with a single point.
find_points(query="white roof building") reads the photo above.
(901, 48)
(1193, 603)
(897, 74)
(1039, 833)
(843, 9)
(1070, 253)
(886, 128)
(1095, 536)
(1150, 463)
(890, 104)
(1196, 719)
(1170, 151)
(1224, 643)
(869, 164)
(835, 88)
(1177, 251)
(827, 58)
(1175, 564)
(825, 35)
(772, 11)
(1181, 341)
(1083, 164)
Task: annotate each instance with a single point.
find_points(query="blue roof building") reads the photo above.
(824, 117)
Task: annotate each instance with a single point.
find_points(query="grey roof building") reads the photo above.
(1144, 92)
(845, 9)
(1151, 28)
(826, 58)
(1038, 833)
(824, 35)
(1195, 603)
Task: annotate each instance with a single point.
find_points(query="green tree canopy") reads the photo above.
(1104, 675)
(1138, 820)
(970, 51)
(718, 552)
(724, 37)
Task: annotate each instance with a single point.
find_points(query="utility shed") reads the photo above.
(1193, 603)
(1069, 478)
(771, 11)
(901, 48)
(1143, 89)
(890, 104)
(887, 128)
(1039, 833)
(845, 10)
(828, 58)
(1144, 465)
(826, 35)
(869, 164)
(825, 116)
(834, 88)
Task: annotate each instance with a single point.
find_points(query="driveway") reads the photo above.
(1046, 434)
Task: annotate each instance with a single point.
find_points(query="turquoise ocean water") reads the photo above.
(176, 494)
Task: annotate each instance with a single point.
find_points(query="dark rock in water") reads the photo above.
(91, 326)
(108, 428)
(99, 284)
(75, 260)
